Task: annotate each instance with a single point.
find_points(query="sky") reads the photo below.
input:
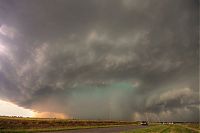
(9, 109)
(100, 59)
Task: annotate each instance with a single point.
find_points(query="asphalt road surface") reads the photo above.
(102, 130)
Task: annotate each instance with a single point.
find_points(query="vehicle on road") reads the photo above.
(144, 123)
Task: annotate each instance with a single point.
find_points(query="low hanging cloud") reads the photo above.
(116, 59)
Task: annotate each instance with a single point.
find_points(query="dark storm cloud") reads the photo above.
(129, 57)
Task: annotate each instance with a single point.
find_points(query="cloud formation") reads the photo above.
(116, 59)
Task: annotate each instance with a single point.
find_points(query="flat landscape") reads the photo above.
(23, 125)
(17, 124)
(178, 128)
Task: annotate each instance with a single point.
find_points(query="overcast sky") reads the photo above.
(101, 59)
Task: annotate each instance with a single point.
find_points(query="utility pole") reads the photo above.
(109, 110)
(147, 117)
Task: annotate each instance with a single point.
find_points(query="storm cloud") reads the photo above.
(100, 59)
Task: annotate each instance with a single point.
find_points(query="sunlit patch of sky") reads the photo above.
(10, 109)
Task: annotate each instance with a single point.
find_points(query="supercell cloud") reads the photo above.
(99, 59)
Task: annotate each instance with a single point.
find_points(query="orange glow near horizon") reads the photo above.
(50, 115)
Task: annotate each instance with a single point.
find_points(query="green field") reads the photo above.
(179, 128)
(193, 126)
(14, 124)
(24, 125)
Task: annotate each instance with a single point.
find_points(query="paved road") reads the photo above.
(102, 130)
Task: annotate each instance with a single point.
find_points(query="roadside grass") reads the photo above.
(164, 129)
(181, 129)
(53, 129)
(24, 125)
(193, 125)
(150, 129)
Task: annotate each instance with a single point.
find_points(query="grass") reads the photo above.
(165, 129)
(53, 129)
(193, 125)
(24, 125)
